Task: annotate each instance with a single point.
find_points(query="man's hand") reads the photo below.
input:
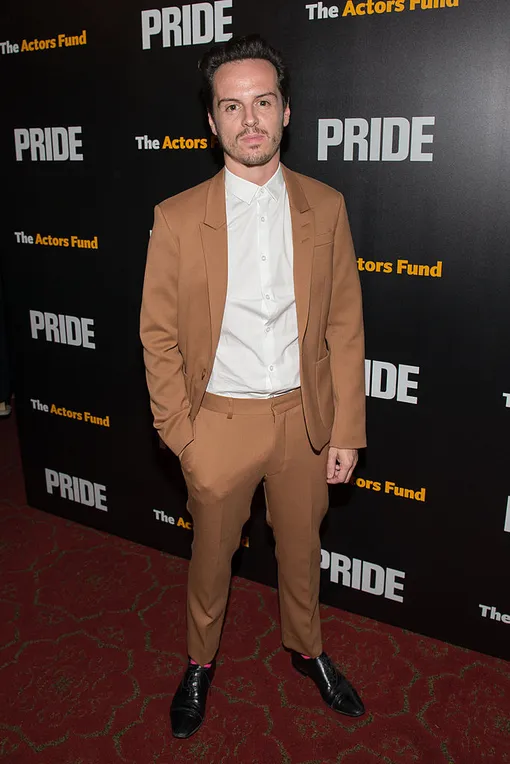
(341, 463)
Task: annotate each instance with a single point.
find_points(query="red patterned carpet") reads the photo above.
(91, 649)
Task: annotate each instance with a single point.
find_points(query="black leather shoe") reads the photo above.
(337, 692)
(187, 711)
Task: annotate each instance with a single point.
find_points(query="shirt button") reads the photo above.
(268, 328)
(271, 368)
(263, 220)
(267, 297)
(264, 257)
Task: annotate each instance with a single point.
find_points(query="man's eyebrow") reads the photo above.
(236, 100)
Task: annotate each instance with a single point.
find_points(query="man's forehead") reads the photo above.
(243, 73)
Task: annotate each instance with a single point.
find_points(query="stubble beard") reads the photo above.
(255, 156)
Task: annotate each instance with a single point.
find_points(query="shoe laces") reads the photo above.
(192, 679)
(330, 670)
(337, 680)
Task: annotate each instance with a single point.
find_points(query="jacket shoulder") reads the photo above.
(318, 192)
(191, 199)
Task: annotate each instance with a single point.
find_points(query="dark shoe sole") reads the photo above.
(185, 737)
(351, 716)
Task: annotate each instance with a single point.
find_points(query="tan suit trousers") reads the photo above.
(239, 442)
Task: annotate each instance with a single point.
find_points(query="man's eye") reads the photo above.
(264, 103)
(231, 107)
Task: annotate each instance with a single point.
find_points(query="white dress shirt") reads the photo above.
(258, 350)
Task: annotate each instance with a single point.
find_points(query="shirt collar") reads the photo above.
(247, 191)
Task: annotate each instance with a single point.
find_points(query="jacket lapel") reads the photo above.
(215, 244)
(302, 238)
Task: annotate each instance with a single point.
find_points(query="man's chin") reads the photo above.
(256, 161)
(253, 159)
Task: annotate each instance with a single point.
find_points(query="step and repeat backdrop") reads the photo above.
(400, 104)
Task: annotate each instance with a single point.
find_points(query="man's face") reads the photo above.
(248, 112)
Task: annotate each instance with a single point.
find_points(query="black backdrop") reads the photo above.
(430, 193)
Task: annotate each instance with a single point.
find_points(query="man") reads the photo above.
(252, 328)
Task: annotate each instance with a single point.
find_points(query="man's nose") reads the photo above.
(249, 116)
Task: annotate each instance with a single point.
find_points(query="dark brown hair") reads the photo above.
(240, 49)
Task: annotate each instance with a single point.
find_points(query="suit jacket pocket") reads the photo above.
(323, 238)
(325, 391)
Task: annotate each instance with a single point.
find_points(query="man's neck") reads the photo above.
(259, 174)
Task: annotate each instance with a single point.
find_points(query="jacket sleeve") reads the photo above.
(345, 338)
(159, 333)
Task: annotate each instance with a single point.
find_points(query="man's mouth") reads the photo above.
(252, 137)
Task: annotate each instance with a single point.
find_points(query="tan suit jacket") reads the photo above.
(184, 298)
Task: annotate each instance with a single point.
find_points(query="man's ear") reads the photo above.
(286, 114)
(211, 123)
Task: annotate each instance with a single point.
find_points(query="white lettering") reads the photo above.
(193, 24)
(162, 517)
(321, 11)
(67, 330)
(331, 133)
(151, 25)
(21, 142)
(493, 613)
(23, 238)
(76, 489)
(7, 47)
(418, 139)
(382, 139)
(48, 144)
(395, 146)
(355, 134)
(387, 381)
(362, 575)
